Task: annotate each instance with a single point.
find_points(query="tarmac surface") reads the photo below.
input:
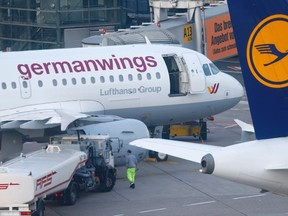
(176, 187)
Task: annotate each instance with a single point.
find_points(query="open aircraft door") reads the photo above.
(195, 72)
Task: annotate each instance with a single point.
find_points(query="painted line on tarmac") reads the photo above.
(247, 197)
(231, 126)
(152, 210)
(200, 203)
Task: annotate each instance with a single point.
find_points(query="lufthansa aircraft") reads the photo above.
(47, 92)
(262, 42)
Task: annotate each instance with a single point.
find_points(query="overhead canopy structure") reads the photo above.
(132, 37)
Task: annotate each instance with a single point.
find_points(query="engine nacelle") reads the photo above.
(207, 164)
(121, 133)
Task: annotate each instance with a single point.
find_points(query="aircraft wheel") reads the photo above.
(161, 156)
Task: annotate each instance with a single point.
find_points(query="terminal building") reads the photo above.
(46, 24)
(194, 25)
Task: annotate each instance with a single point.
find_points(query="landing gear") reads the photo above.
(203, 130)
(164, 133)
(161, 156)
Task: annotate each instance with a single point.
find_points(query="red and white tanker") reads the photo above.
(58, 172)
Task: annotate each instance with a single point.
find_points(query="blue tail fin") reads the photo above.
(261, 32)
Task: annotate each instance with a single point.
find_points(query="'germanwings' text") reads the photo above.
(139, 63)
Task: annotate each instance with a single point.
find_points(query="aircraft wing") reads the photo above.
(48, 118)
(185, 150)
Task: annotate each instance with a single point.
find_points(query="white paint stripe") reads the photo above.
(201, 203)
(230, 126)
(152, 210)
(246, 197)
(119, 215)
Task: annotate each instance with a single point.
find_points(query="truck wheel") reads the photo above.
(109, 184)
(40, 208)
(71, 194)
(161, 156)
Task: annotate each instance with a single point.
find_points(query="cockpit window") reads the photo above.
(214, 68)
(206, 70)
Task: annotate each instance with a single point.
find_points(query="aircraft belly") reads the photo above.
(157, 115)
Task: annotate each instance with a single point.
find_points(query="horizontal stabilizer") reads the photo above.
(185, 150)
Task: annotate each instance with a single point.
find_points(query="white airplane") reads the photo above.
(47, 92)
(262, 42)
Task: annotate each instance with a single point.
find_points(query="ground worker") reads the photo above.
(131, 165)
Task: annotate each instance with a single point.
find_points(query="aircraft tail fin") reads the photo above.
(261, 33)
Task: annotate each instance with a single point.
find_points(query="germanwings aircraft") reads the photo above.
(262, 42)
(44, 93)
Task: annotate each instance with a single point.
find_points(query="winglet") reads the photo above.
(247, 130)
(244, 126)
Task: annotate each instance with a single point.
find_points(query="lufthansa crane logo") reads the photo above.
(267, 51)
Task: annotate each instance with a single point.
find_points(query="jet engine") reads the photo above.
(207, 164)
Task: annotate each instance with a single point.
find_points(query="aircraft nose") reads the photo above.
(234, 88)
(237, 89)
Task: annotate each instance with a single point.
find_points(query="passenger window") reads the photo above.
(148, 76)
(92, 79)
(40, 83)
(83, 80)
(102, 79)
(54, 81)
(13, 85)
(4, 86)
(139, 76)
(214, 68)
(64, 82)
(158, 75)
(206, 70)
(25, 84)
(111, 78)
(130, 77)
(121, 78)
(74, 82)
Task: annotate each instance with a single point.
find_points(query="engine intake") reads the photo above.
(208, 164)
